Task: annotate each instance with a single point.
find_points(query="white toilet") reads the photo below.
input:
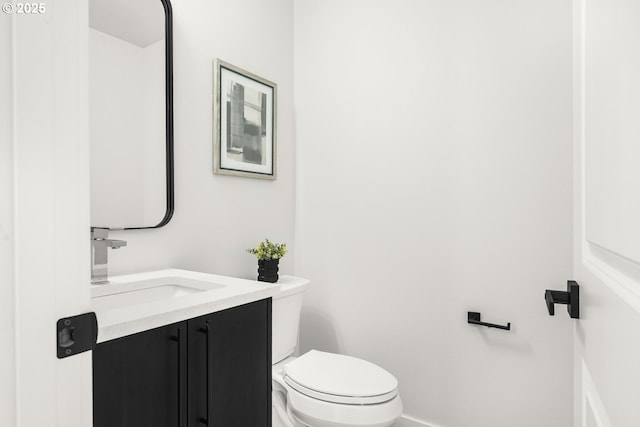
(319, 389)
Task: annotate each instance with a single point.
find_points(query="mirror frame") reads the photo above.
(169, 161)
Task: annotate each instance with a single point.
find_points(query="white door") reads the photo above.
(607, 213)
(44, 219)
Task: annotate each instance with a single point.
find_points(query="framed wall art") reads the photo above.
(245, 123)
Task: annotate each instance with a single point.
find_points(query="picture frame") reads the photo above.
(245, 116)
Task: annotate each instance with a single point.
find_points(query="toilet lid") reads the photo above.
(340, 379)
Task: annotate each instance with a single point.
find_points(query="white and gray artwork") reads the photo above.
(246, 122)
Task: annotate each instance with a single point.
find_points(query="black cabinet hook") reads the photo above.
(571, 298)
(473, 317)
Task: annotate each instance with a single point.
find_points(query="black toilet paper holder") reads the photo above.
(473, 317)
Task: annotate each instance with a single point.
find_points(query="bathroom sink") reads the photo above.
(137, 289)
(146, 294)
(142, 301)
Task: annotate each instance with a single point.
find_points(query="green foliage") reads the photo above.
(267, 250)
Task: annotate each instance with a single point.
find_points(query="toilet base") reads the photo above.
(280, 416)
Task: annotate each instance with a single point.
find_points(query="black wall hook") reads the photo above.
(571, 298)
(473, 317)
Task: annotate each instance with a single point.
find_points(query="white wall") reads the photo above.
(7, 325)
(217, 217)
(434, 177)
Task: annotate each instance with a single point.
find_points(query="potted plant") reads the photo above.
(268, 254)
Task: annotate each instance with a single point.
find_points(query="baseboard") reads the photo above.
(407, 421)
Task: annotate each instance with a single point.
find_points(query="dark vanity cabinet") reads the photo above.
(137, 379)
(230, 367)
(213, 370)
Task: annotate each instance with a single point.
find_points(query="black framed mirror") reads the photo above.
(131, 113)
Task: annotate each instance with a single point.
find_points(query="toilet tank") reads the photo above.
(286, 316)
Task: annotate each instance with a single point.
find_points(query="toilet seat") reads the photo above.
(346, 400)
(354, 384)
(337, 378)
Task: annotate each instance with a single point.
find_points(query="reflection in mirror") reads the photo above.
(128, 95)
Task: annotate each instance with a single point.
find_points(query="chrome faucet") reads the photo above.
(99, 247)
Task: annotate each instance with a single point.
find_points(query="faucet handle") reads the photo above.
(116, 244)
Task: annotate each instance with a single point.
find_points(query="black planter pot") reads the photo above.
(268, 270)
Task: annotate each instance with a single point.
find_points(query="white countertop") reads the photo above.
(217, 293)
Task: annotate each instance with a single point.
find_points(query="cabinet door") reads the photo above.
(140, 380)
(230, 367)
